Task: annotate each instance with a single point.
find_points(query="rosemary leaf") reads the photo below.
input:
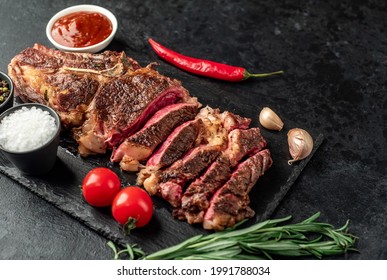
(168, 253)
(264, 240)
(218, 245)
(225, 254)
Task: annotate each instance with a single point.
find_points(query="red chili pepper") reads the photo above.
(205, 67)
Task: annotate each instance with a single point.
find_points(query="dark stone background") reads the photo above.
(334, 55)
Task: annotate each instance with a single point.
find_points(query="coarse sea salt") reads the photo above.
(26, 129)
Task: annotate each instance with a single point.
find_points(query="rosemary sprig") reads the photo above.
(265, 240)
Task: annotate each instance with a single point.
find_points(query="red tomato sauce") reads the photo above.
(81, 29)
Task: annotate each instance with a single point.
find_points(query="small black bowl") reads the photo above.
(8, 102)
(40, 160)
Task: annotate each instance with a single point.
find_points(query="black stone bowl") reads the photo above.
(8, 102)
(40, 160)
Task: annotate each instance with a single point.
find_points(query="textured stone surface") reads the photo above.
(334, 56)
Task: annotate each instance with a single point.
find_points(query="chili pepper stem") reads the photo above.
(247, 75)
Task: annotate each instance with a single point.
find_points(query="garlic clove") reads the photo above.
(300, 144)
(270, 120)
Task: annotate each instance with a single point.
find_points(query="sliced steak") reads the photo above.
(178, 174)
(122, 106)
(196, 199)
(230, 203)
(242, 143)
(213, 130)
(180, 141)
(173, 148)
(140, 145)
(67, 82)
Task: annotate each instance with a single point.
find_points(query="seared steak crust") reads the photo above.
(132, 94)
(230, 204)
(196, 198)
(136, 97)
(179, 173)
(180, 141)
(80, 90)
(191, 164)
(172, 149)
(140, 145)
(67, 82)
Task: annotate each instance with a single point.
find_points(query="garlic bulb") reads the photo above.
(300, 144)
(270, 120)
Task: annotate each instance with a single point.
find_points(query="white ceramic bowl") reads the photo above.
(79, 8)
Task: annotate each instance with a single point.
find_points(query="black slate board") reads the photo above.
(61, 187)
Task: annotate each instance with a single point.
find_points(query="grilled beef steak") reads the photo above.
(180, 141)
(179, 173)
(173, 148)
(196, 199)
(122, 106)
(67, 82)
(203, 163)
(213, 131)
(140, 145)
(230, 203)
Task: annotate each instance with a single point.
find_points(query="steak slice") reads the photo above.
(180, 141)
(140, 145)
(242, 143)
(173, 148)
(230, 203)
(178, 174)
(196, 199)
(67, 82)
(122, 106)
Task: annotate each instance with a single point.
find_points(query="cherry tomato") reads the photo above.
(100, 186)
(132, 207)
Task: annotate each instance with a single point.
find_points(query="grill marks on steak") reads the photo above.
(67, 82)
(195, 201)
(139, 146)
(172, 149)
(136, 97)
(180, 141)
(169, 183)
(230, 204)
(244, 142)
(125, 104)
